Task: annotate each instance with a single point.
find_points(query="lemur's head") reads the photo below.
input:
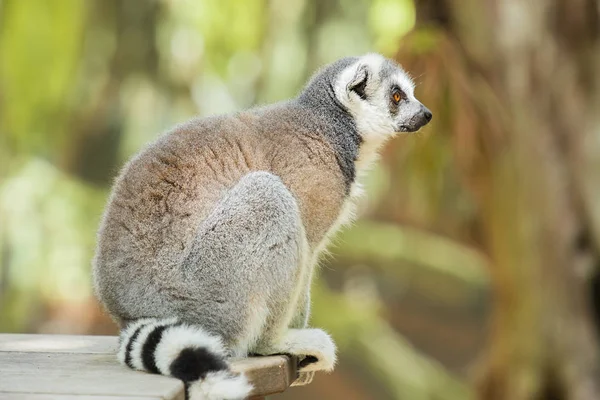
(380, 96)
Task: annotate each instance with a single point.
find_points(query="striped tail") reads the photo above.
(170, 347)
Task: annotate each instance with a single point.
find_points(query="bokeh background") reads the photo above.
(473, 270)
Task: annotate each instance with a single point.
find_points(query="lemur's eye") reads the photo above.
(398, 95)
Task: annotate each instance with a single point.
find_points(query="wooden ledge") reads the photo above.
(40, 367)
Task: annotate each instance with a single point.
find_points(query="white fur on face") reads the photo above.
(373, 118)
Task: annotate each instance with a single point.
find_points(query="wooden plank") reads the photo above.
(40, 396)
(80, 374)
(59, 344)
(86, 365)
(269, 375)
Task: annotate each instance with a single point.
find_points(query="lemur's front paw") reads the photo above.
(304, 378)
(313, 347)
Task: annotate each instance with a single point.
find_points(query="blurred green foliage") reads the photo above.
(39, 52)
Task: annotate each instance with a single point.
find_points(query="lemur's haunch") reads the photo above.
(211, 234)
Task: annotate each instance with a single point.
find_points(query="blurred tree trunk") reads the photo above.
(97, 126)
(537, 178)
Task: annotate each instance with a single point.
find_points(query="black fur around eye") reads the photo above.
(398, 95)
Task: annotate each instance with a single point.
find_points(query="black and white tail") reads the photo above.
(170, 347)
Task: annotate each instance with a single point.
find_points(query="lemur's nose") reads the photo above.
(427, 114)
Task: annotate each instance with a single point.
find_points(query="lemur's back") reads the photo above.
(163, 195)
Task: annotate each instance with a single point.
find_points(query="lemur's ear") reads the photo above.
(359, 81)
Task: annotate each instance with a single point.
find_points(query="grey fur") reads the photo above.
(220, 221)
(340, 130)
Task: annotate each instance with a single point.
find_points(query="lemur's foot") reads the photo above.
(304, 378)
(313, 347)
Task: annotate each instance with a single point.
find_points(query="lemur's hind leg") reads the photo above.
(246, 273)
(244, 264)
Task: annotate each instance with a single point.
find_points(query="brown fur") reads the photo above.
(169, 188)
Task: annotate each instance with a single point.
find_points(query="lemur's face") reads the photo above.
(380, 97)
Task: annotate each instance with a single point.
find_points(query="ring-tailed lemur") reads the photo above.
(210, 237)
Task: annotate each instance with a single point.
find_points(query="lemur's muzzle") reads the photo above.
(418, 121)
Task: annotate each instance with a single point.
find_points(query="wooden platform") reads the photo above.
(45, 367)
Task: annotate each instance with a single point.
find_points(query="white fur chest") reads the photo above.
(346, 216)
